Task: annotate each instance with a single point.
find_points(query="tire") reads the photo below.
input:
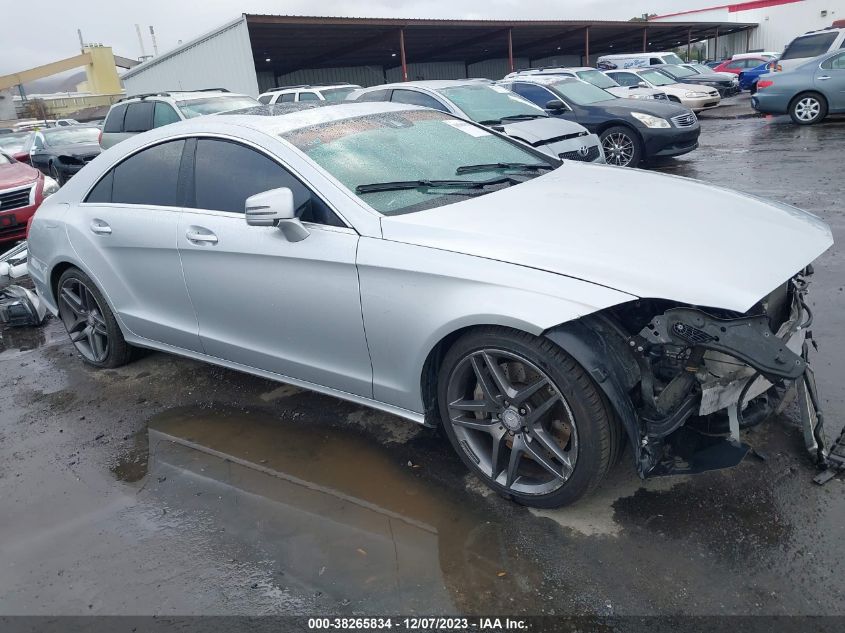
(622, 146)
(525, 417)
(89, 321)
(808, 108)
(56, 175)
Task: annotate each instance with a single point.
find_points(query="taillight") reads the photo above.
(779, 68)
(100, 138)
(764, 83)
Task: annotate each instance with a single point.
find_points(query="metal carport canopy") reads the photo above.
(302, 42)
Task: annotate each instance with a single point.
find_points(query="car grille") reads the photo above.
(591, 154)
(14, 199)
(684, 120)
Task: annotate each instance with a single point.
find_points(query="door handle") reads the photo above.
(823, 77)
(100, 227)
(200, 237)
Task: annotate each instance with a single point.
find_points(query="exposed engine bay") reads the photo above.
(684, 380)
(19, 305)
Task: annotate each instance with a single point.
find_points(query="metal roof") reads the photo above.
(297, 42)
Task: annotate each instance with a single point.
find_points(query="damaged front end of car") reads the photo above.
(685, 380)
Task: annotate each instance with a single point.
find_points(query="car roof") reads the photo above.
(430, 84)
(544, 79)
(309, 87)
(293, 119)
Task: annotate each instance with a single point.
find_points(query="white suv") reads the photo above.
(812, 44)
(144, 112)
(305, 92)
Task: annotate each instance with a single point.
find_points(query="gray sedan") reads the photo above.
(807, 93)
(542, 311)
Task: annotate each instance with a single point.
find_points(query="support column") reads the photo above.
(510, 50)
(716, 54)
(587, 46)
(402, 54)
(645, 39)
(689, 45)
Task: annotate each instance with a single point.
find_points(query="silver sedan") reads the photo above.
(544, 314)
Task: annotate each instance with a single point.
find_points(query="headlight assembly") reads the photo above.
(650, 121)
(50, 186)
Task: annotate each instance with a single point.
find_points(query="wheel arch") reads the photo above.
(807, 93)
(618, 123)
(62, 265)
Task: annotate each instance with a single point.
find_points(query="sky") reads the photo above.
(53, 34)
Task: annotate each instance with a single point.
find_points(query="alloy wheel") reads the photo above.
(808, 109)
(83, 319)
(512, 421)
(618, 149)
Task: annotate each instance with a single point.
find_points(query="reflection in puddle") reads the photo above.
(16, 341)
(340, 515)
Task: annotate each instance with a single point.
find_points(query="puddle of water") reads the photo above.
(132, 466)
(18, 341)
(338, 512)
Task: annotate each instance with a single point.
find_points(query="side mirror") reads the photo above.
(642, 84)
(275, 208)
(555, 105)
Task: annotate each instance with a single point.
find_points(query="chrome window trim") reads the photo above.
(216, 135)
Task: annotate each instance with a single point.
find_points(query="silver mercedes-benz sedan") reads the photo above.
(546, 314)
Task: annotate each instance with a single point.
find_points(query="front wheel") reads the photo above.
(622, 146)
(89, 321)
(56, 175)
(807, 109)
(525, 417)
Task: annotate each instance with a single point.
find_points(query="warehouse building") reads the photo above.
(779, 22)
(256, 52)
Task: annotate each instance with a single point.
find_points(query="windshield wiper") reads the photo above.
(489, 122)
(468, 169)
(523, 117)
(432, 184)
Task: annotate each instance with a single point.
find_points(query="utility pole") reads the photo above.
(141, 42)
(81, 41)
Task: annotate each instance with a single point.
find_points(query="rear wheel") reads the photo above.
(622, 146)
(89, 321)
(525, 417)
(808, 108)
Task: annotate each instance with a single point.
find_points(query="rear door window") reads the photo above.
(308, 96)
(809, 46)
(164, 114)
(139, 117)
(114, 121)
(287, 97)
(149, 177)
(412, 97)
(375, 95)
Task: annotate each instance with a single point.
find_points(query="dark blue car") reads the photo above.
(748, 78)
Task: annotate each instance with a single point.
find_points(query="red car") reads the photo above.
(736, 66)
(22, 190)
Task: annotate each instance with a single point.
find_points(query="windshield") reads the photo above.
(13, 143)
(671, 58)
(677, 71)
(656, 78)
(336, 94)
(597, 78)
(213, 105)
(70, 136)
(396, 147)
(490, 104)
(581, 93)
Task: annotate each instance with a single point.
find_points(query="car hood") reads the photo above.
(625, 92)
(622, 107)
(649, 235)
(542, 129)
(16, 174)
(704, 79)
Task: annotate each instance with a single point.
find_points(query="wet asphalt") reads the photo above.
(172, 487)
